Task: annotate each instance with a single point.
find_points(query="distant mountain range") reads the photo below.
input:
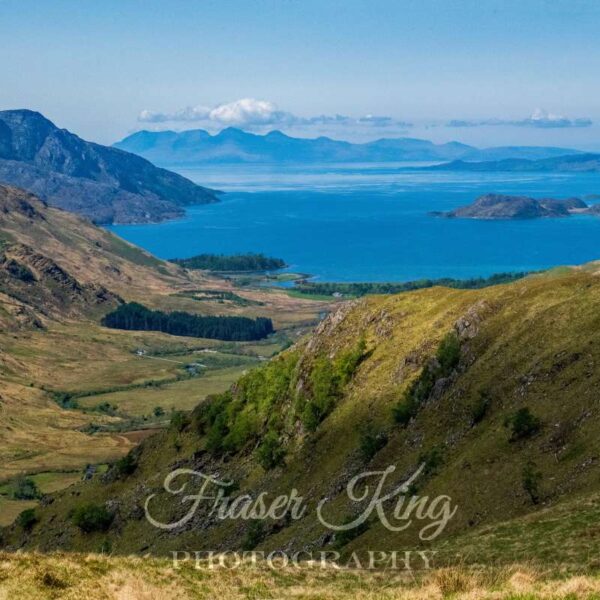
(572, 162)
(102, 183)
(115, 185)
(232, 146)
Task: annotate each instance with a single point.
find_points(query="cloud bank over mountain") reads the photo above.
(260, 116)
(251, 114)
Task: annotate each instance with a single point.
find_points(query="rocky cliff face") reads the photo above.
(104, 184)
(43, 288)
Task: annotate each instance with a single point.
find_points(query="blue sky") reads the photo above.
(502, 72)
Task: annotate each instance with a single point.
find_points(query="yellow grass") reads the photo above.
(99, 577)
(10, 509)
(47, 483)
(36, 435)
(180, 395)
(53, 481)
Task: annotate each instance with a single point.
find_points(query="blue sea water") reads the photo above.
(371, 222)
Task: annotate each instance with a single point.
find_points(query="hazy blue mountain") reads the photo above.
(571, 162)
(235, 146)
(102, 183)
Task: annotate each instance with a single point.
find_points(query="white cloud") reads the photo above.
(326, 120)
(250, 113)
(246, 112)
(376, 120)
(542, 118)
(539, 118)
(188, 114)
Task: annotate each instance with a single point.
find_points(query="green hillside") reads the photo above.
(492, 390)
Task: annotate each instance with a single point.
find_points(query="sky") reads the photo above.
(483, 72)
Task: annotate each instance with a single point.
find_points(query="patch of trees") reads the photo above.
(344, 537)
(255, 534)
(126, 465)
(271, 453)
(531, 478)
(251, 415)
(136, 317)
(523, 424)
(371, 442)
(230, 422)
(326, 384)
(446, 360)
(27, 519)
(92, 517)
(480, 408)
(24, 488)
(234, 262)
(362, 289)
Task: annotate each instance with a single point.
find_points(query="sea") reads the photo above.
(372, 222)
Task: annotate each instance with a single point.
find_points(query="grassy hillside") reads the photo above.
(492, 390)
(73, 392)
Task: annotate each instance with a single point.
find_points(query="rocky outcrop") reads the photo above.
(37, 285)
(467, 326)
(499, 206)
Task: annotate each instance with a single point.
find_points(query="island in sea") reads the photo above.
(575, 163)
(501, 206)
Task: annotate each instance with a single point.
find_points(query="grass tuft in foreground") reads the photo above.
(93, 576)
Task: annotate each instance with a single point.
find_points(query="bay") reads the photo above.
(371, 222)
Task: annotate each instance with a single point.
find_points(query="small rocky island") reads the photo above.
(500, 206)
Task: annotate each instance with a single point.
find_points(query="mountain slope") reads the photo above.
(91, 256)
(104, 184)
(492, 390)
(59, 275)
(38, 282)
(236, 146)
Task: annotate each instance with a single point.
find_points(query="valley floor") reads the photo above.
(77, 393)
(99, 577)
